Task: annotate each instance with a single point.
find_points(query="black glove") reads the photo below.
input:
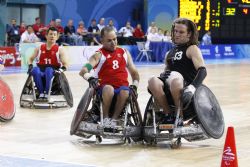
(60, 70)
(164, 75)
(133, 88)
(93, 82)
(30, 68)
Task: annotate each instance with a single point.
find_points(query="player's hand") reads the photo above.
(189, 89)
(93, 82)
(133, 88)
(164, 75)
(60, 70)
(30, 68)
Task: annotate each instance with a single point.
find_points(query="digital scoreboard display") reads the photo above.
(228, 20)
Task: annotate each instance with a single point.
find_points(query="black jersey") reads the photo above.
(177, 60)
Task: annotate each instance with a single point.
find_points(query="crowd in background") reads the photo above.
(82, 35)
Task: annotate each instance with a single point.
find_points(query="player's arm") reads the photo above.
(64, 58)
(33, 56)
(132, 70)
(93, 61)
(194, 53)
(166, 62)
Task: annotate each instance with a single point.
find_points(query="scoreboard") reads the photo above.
(228, 20)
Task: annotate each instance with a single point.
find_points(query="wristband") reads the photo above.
(87, 75)
(136, 83)
(88, 66)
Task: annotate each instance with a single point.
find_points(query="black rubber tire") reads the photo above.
(136, 115)
(81, 110)
(66, 89)
(27, 84)
(209, 112)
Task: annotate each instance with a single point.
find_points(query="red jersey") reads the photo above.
(49, 57)
(138, 33)
(60, 29)
(36, 28)
(112, 68)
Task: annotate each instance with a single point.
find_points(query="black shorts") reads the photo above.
(187, 113)
(167, 92)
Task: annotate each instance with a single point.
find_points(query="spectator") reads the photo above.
(206, 39)
(127, 31)
(152, 25)
(83, 33)
(39, 29)
(52, 23)
(127, 34)
(167, 37)
(22, 28)
(12, 33)
(60, 29)
(152, 36)
(101, 24)
(69, 32)
(94, 33)
(160, 34)
(58, 26)
(29, 36)
(111, 24)
(138, 32)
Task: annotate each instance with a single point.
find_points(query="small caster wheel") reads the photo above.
(98, 139)
(176, 144)
(127, 140)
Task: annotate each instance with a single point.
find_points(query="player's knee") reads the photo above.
(35, 71)
(108, 90)
(124, 94)
(176, 84)
(49, 70)
(154, 83)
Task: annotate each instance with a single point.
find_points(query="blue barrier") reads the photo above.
(225, 51)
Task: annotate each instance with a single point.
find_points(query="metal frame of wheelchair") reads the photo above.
(59, 95)
(195, 130)
(130, 119)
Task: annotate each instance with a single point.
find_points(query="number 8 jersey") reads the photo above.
(50, 57)
(112, 68)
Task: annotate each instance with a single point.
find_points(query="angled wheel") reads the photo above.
(81, 110)
(7, 106)
(148, 116)
(209, 112)
(148, 119)
(66, 89)
(135, 118)
(27, 88)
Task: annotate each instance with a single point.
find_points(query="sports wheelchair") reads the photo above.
(7, 106)
(201, 120)
(59, 95)
(88, 119)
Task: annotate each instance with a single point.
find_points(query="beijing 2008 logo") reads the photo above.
(228, 156)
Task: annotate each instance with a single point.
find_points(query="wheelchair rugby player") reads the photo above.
(109, 107)
(180, 105)
(47, 85)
